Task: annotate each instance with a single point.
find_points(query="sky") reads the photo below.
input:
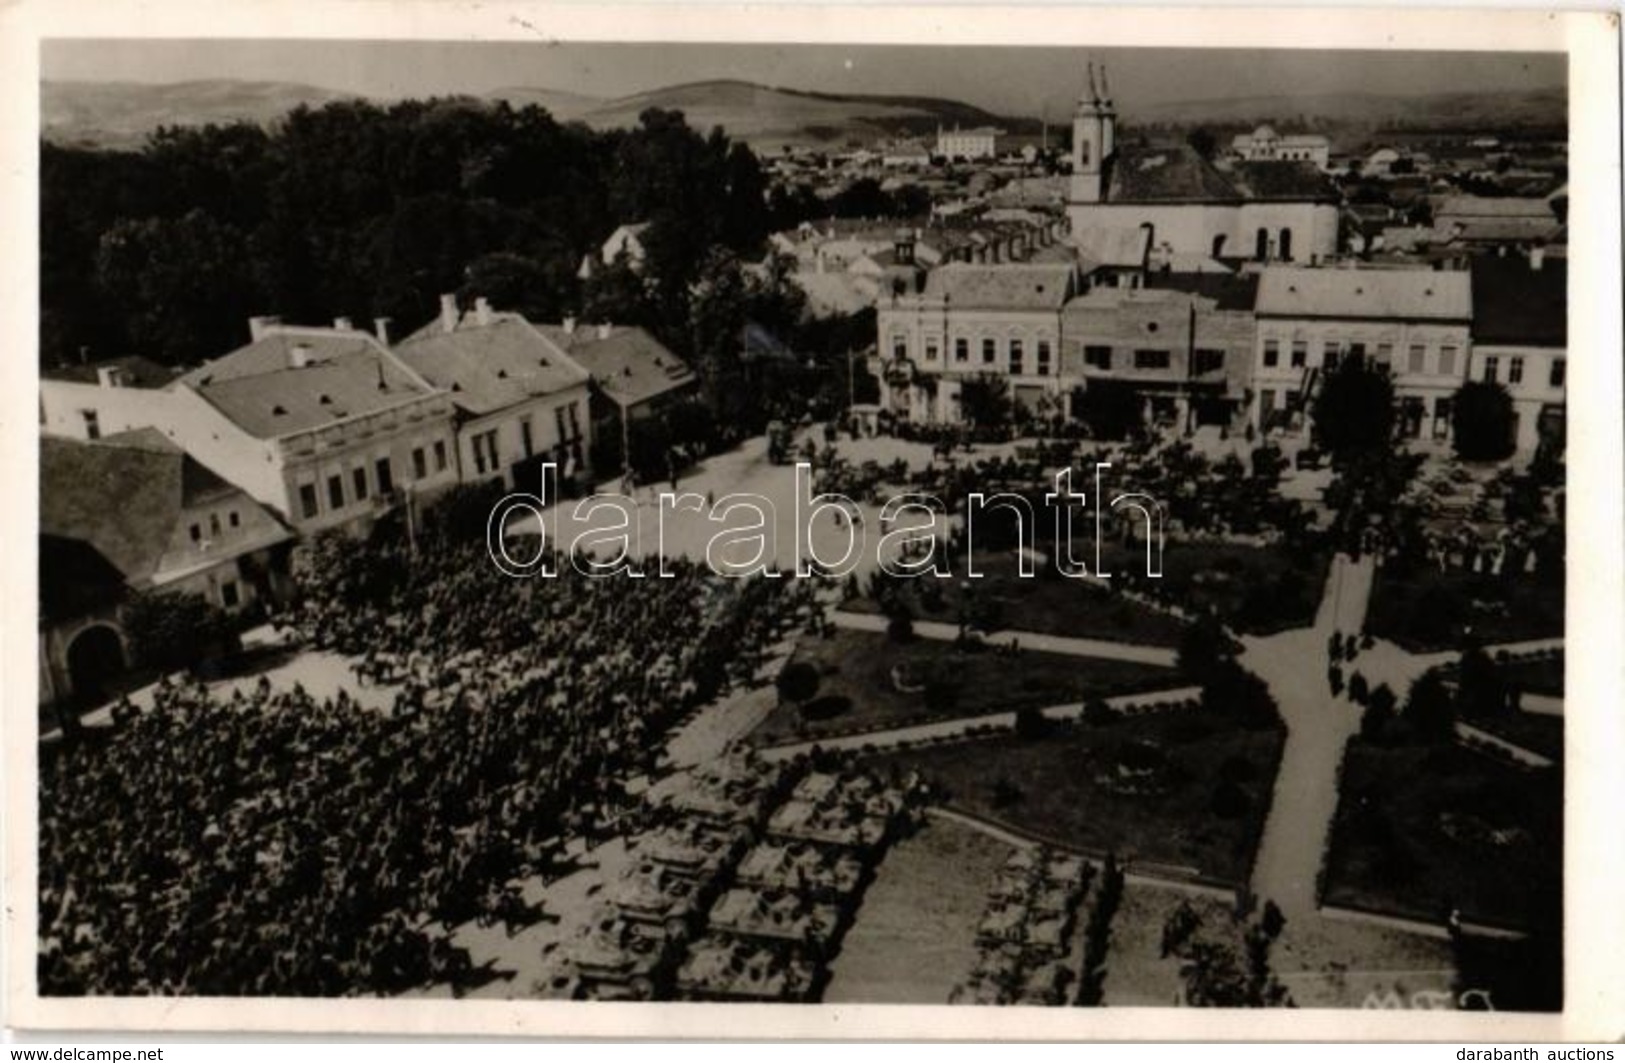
(1006, 80)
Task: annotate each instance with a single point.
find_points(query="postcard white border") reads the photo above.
(1596, 737)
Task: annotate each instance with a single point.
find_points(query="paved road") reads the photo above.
(1030, 640)
(1293, 663)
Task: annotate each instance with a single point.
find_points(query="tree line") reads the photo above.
(363, 211)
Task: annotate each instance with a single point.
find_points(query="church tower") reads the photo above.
(1094, 140)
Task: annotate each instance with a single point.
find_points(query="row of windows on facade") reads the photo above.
(1413, 410)
(1099, 357)
(384, 476)
(1332, 350)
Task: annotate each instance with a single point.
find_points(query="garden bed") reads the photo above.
(1423, 829)
(858, 692)
(1431, 610)
(1146, 788)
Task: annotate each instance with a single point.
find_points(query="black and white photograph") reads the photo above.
(1060, 525)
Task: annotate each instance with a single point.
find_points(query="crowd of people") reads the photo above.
(272, 843)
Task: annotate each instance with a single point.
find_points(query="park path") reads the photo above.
(1318, 726)
(958, 725)
(1030, 640)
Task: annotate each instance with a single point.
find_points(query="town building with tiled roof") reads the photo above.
(133, 511)
(520, 400)
(1520, 338)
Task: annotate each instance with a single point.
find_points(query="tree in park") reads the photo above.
(798, 683)
(1203, 647)
(985, 400)
(1354, 409)
(1233, 693)
(171, 630)
(1380, 705)
(1430, 711)
(1482, 422)
(1481, 688)
(1203, 142)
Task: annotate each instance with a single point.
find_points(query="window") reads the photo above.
(990, 351)
(214, 525)
(440, 455)
(484, 444)
(1417, 356)
(1300, 353)
(420, 463)
(385, 476)
(558, 428)
(961, 350)
(1385, 354)
(1016, 368)
(335, 492)
(1261, 245)
(932, 349)
(1151, 359)
(1447, 361)
(196, 531)
(1209, 361)
(1272, 353)
(1098, 356)
(1285, 248)
(307, 500)
(1492, 369)
(1357, 351)
(525, 439)
(358, 478)
(1559, 371)
(899, 347)
(93, 425)
(229, 596)
(232, 519)
(1043, 357)
(1515, 371)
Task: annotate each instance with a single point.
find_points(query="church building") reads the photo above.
(1195, 208)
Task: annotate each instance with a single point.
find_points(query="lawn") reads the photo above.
(1000, 599)
(1147, 787)
(1432, 610)
(1257, 590)
(1536, 675)
(857, 691)
(1421, 829)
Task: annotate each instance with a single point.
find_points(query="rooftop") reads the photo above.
(265, 390)
(134, 370)
(1179, 175)
(1516, 304)
(1011, 286)
(1404, 294)
(492, 366)
(123, 496)
(629, 365)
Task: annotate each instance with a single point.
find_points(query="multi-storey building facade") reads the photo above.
(1520, 339)
(1416, 322)
(520, 400)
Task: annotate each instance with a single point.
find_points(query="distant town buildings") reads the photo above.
(1264, 144)
(968, 144)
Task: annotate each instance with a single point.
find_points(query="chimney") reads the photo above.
(299, 356)
(380, 327)
(482, 311)
(604, 330)
(448, 313)
(110, 376)
(260, 327)
(1537, 257)
(342, 324)
(570, 326)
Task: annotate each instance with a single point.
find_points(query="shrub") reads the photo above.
(1031, 724)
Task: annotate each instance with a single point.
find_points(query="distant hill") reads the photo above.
(1456, 110)
(120, 114)
(768, 116)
